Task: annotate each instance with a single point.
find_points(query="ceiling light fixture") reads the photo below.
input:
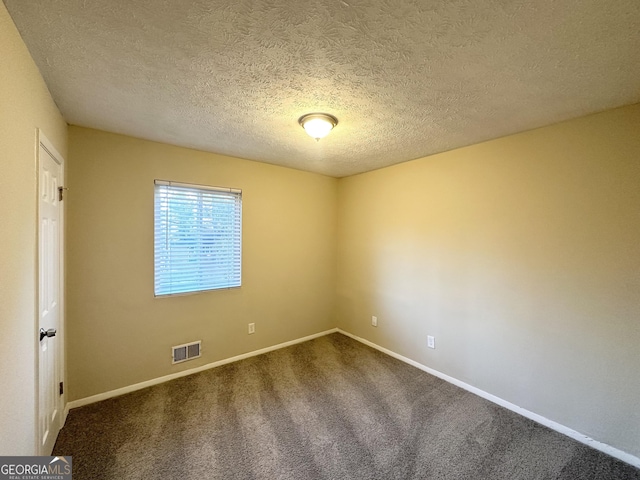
(318, 125)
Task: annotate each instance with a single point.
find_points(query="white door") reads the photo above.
(49, 291)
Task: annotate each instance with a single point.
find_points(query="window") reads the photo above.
(197, 238)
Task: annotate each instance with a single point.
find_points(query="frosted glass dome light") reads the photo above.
(318, 125)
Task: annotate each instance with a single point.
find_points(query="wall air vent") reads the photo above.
(188, 351)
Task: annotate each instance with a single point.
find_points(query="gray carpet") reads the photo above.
(329, 409)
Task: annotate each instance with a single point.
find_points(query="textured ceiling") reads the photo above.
(405, 78)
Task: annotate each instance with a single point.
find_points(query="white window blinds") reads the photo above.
(198, 238)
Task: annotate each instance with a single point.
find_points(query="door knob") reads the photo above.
(47, 333)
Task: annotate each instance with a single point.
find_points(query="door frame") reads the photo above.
(43, 142)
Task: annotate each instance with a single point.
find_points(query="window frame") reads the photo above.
(235, 264)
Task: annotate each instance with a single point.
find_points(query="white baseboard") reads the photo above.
(139, 386)
(603, 447)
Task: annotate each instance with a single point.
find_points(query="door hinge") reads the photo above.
(61, 193)
(61, 388)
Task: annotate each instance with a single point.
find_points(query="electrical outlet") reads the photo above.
(252, 328)
(431, 341)
(374, 321)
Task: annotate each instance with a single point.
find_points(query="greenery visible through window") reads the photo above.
(197, 238)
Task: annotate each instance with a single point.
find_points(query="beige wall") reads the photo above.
(25, 104)
(118, 333)
(522, 257)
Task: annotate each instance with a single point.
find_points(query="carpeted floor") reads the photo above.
(328, 409)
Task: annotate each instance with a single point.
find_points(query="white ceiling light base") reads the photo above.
(318, 125)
